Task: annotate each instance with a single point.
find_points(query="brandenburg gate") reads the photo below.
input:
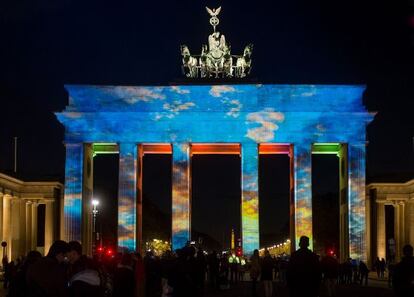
(243, 119)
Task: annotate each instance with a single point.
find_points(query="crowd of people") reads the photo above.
(66, 272)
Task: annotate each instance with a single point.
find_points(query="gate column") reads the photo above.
(181, 199)
(303, 192)
(73, 191)
(250, 197)
(356, 200)
(127, 197)
(343, 203)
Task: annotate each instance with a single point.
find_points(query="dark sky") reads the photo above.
(45, 44)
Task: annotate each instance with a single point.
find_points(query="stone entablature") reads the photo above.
(19, 201)
(393, 191)
(401, 197)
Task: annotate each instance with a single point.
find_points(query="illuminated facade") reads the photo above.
(19, 220)
(247, 119)
(399, 199)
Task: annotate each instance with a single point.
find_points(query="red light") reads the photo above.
(238, 252)
(109, 252)
(331, 252)
(100, 249)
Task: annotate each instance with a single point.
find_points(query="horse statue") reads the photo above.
(189, 62)
(228, 62)
(243, 63)
(216, 60)
(203, 61)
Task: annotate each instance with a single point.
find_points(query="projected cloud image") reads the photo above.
(246, 114)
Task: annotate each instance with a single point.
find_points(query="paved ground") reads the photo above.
(243, 290)
(375, 288)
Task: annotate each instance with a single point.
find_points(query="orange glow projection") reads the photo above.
(215, 148)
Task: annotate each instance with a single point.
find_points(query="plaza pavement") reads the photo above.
(375, 288)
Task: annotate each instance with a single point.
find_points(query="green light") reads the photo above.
(105, 148)
(326, 149)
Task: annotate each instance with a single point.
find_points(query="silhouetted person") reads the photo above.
(182, 281)
(330, 270)
(167, 265)
(74, 257)
(377, 266)
(382, 267)
(124, 279)
(213, 269)
(234, 262)
(347, 270)
(86, 281)
(223, 277)
(139, 276)
(83, 276)
(266, 274)
(9, 273)
(304, 272)
(391, 268)
(363, 273)
(241, 269)
(200, 271)
(282, 270)
(403, 276)
(152, 275)
(47, 277)
(254, 271)
(18, 285)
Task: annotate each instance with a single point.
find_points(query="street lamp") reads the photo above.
(95, 203)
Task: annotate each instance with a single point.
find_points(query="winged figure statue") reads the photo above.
(216, 60)
(213, 12)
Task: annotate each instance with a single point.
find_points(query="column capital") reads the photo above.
(73, 144)
(303, 145)
(358, 144)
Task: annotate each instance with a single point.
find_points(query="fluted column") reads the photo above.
(15, 228)
(356, 200)
(7, 223)
(402, 224)
(87, 192)
(22, 228)
(140, 156)
(1, 215)
(250, 197)
(49, 225)
(343, 203)
(409, 222)
(181, 199)
(73, 191)
(303, 192)
(34, 225)
(127, 196)
(28, 210)
(381, 240)
(397, 231)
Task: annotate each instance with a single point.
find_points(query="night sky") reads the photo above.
(45, 45)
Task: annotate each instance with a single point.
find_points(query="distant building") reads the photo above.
(29, 215)
(390, 211)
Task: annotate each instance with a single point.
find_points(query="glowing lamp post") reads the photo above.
(95, 204)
